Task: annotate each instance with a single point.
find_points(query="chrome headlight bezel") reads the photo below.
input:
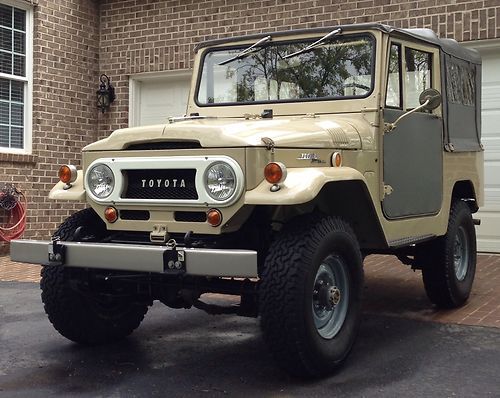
(230, 176)
(200, 163)
(110, 180)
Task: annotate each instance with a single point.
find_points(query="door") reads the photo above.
(413, 164)
(156, 97)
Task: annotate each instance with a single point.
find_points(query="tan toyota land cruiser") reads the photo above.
(300, 153)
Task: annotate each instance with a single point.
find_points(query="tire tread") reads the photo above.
(284, 266)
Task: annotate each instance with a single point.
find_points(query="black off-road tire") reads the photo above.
(87, 225)
(286, 294)
(82, 315)
(445, 286)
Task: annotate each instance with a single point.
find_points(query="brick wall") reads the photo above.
(75, 40)
(152, 35)
(66, 44)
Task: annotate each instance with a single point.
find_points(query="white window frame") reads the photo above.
(135, 83)
(28, 79)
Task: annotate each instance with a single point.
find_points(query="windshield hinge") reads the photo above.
(269, 143)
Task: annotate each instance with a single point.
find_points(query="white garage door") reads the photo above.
(489, 231)
(156, 97)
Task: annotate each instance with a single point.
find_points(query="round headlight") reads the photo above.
(101, 181)
(220, 181)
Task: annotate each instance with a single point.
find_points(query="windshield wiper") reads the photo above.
(315, 44)
(246, 51)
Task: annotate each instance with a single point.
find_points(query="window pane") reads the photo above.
(6, 39)
(4, 89)
(461, 82)
(19, 19)
(12, 62)
(16, 137)
(6, 63)
(418, 75)
(393, 97)
(4, 113)
(17, 114)
(19, 40)
(5, 15)
(19, 65)
(4, 136)
(17, 91)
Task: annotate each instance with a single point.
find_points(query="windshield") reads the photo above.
(339, 68)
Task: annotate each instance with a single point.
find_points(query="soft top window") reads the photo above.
(461, 83)
(339, 68)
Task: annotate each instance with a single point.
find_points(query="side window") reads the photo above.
(393, 95)
(461, 82)
(417, 75)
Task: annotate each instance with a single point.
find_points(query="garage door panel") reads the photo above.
(492, 151)
(491, 202)
(158, 97)
(488, 232)
(489, 120)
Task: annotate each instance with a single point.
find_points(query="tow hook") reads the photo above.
(159, 234)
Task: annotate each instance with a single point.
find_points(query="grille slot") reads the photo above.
(190, 216)
(160, 184)
(136, 215)
(151, 146)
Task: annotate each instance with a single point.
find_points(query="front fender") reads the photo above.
(76, 192)
(300, 186)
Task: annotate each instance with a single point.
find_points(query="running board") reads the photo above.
(411, 240)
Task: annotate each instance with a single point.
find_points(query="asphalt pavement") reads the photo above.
(186, 353)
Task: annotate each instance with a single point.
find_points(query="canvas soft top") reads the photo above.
(449, 46)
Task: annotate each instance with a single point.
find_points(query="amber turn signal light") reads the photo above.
(214, 217)
(275, 172)
(111, 214)
(336, 159)
(67, 173)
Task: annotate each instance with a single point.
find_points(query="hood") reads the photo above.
(286, 132)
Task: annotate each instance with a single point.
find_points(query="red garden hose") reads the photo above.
(12, 213)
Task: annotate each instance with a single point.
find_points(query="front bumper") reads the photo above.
(140, 258)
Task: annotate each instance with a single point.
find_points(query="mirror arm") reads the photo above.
(388, 127)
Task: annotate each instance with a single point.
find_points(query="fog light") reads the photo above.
(275, 172)
(67, 173)
(214, 217)
(111, 214)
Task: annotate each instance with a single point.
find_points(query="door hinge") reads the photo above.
(387, 190)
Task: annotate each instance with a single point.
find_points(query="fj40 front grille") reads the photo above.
(160, 184)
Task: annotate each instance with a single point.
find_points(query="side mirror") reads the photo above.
(429, 99)
(432, 96)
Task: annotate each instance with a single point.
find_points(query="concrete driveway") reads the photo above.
(179, 353)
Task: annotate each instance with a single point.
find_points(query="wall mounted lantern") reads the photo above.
(105, 94)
